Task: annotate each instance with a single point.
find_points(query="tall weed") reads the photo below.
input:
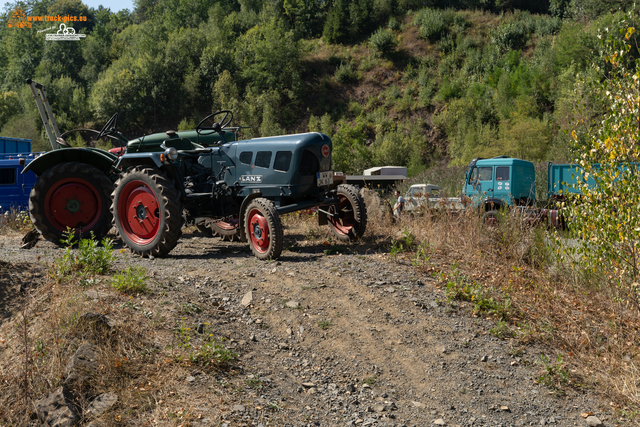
(431, 24)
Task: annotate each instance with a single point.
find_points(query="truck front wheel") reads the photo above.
(264, 229)
(72, 196)
(348, 219)
(147, 212)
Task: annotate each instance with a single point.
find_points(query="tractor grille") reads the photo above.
(309, 164)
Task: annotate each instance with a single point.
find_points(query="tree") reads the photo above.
(337, 23)
(269, 58)
(9, 106)
(605, 216)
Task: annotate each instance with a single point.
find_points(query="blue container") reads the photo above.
(14, 145)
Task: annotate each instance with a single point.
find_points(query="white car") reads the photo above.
(420, 196)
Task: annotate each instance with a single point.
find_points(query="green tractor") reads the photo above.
(74, 185)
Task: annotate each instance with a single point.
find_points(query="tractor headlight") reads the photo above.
(171, 153)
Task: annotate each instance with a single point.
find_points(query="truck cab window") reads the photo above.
(502, 173)
(473, 176)
(485, 174)
(7, 176)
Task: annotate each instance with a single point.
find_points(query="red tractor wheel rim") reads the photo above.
(259, 231)
(73, 203)
(228, 224)
(139, 212)
(345, 224)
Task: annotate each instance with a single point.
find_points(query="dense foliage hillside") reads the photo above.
(401, 82)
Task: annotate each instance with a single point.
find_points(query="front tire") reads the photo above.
(263, 228)
(147, 211)
(71, 195)
(349, 219)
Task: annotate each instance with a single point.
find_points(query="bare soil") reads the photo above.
(325, 339)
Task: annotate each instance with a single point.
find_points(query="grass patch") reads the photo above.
(131, 280)
(202, 349)
(555, 375)
(324, 324)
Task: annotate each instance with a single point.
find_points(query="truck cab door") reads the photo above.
(502, 184)
(479, 185)
(482, 181)
(471, 186)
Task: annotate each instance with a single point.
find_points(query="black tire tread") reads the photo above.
(275, 228)
(36, 209)
(359, 213)
(169, 198)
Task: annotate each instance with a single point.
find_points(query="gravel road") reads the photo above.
(352, 339)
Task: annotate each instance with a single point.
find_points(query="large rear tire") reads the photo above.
(71, 195)
(349, 221)
(264, 229)
(147, 211)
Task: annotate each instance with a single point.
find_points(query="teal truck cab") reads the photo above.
(504, 182)
(499, 182)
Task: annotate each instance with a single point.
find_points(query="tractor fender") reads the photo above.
(137, 159)
(100, 159)
(243, 209)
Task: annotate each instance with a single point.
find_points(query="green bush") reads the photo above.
(431, 24)
(447, 44)
(393, 24)
(450, 90)
(90, 258)
(547, 25)
(344, 73)
(383, 41)
(509, 36)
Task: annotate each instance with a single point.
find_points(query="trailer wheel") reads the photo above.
(349, 219)
(73, 196)
(264, 229)
(228, 229)
(147, 211)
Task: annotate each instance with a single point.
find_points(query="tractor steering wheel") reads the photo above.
(109, 127)
(217, 125)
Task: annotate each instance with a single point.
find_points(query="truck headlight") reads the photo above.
(171, 153)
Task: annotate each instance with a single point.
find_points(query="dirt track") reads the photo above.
(357, 338)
